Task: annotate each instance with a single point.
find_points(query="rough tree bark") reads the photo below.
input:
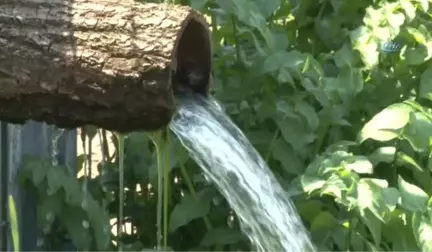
(110, 63)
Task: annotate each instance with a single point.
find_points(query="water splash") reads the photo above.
(226, 156)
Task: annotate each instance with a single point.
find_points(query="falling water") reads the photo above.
(266, 213)
(56, 134)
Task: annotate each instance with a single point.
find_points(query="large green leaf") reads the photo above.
(77, 226)
(359, 164)
(324, 220)
(374, 225)
(405, 160)
(413, 198)
(419, 130)
(99, 221)
(426, 84)
(386, 124)
(189, 209)
(309, 183)
(383, 154)
(47, 209)
(422, 227)
(370, 196)
(284, 153)
(55, 179)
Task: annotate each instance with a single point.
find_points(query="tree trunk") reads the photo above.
(110, 63)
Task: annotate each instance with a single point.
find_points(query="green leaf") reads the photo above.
(189, 209)
(370, 196)
(284, 153)
(418, 131)
(55, 179)
(391, 197)
(412, 197)
(409, 8)
(198, 4)
(309, 184)
(351, 79)
(399, 233)
(385, 125)
(371, 247)
(221, 236)
(324, 220)
(47, 209)
(345, 56)
(309, 113)
(422, 228)
(426, 83)
(334, 186)
(282, 59)
(405, 160)
(99, 222)
(77, 226)
(73, 193)
(294, 132)
(362, 41)
(35, 169)
(267, 7)
(374, 225)
(249, 13)
(13, 217)
(359, 164)
(383, 154)
(417, 55)
(309, 209)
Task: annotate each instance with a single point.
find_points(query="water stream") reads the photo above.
(266, 213)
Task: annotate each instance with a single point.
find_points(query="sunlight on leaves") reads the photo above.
(422, 226)
(412, 197)
(371, 196)
(384, 126)
(359, 164)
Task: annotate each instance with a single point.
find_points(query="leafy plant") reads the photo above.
(334, 94)
(14, 223)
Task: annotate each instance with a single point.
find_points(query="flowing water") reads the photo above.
(266, 214)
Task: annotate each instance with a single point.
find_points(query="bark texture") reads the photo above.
(110, 63)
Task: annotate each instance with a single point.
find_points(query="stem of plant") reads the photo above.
(120, 138)
(166, 180)
(237, 42)
(394, 172)
(159, 201)
(160, 140)
(349, 233)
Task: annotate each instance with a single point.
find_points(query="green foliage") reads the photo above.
(343, 119)
(64, 208)
(14, 223)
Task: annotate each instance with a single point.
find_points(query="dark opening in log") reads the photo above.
(112, 63)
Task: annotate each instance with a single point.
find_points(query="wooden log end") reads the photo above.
(115, 64)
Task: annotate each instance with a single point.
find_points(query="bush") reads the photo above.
(335, 95)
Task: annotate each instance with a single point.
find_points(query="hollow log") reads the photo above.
(110, 63)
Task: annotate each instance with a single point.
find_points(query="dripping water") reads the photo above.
(56, 134)
(267, 216)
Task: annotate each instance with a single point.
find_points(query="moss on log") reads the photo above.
(111, 63)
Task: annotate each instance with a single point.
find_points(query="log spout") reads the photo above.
(111, 63)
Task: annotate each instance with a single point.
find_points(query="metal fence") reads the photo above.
(16, 141)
